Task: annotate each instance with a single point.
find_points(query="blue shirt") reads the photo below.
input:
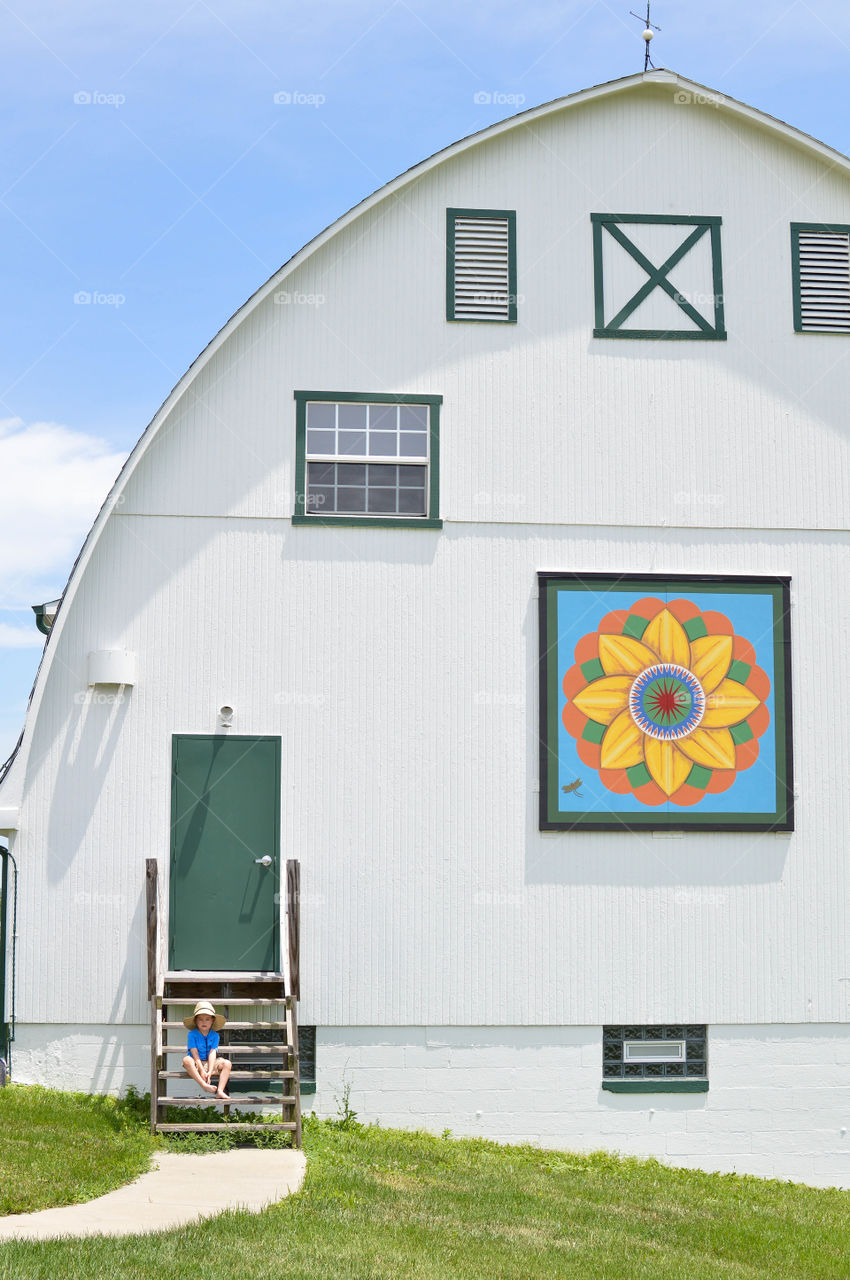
(204, 1044)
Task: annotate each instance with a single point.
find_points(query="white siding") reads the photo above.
(409, 776)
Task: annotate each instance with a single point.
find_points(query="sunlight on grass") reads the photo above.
(389, 1205)
(63, 1148)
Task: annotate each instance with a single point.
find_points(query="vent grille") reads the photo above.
(824, 281)
(482, 275)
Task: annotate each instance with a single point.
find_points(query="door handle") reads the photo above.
(264, 862)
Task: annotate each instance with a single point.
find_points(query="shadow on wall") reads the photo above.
(87, 751)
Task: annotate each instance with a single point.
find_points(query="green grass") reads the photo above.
(387, 1205)
(63, 1148)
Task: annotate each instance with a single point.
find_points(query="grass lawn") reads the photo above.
(387, 1205)
(62, 1148)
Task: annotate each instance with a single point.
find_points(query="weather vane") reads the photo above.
(649, 31)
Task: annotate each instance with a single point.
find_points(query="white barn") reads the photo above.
(600, 353)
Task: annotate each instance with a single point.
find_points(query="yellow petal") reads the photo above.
(623, 655)
(668, 638)
(712, 748)
(603, 699)
(730, 703)
(669, 768)
(622, 745)
(710, 659)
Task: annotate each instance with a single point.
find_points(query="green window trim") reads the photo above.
(451, 218)
(655, 1086)
(300, 515)
(831, 228)
(657, 277)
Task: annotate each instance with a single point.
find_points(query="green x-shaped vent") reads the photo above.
(691, 309)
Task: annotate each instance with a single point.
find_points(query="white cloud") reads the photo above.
(20, 637)
(53, 481)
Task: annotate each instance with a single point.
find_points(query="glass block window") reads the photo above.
(664, 1052)
(271, 1061)
(367, 458)
(307, 1054)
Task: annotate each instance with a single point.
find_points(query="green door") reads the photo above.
(225, 818)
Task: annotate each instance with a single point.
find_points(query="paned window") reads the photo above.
(820, 258)
(370, 459)
(481, 265)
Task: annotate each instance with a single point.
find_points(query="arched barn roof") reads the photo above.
(647, 81)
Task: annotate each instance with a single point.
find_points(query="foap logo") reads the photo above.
(697, 499)
(490, 698)
(496, 98)
(296, 698)
(295, 98)
(97, 698)
(292, 298)
(683, 98)
(94, 98)
(87, 298)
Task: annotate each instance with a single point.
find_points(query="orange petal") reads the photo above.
(622, 745)
(665, 762)
(710, 658)
(712, 748)
(621, 655)
(730, 703)
(668, 638)
(603, 699)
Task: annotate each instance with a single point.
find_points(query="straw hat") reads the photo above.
(204, 1006)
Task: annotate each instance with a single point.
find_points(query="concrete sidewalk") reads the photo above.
(178, 1189)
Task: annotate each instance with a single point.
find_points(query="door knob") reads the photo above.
(263, 862)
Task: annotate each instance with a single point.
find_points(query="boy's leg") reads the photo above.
(191, 1068)
(223, 1067)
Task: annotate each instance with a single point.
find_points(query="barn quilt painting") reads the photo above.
(665, 703)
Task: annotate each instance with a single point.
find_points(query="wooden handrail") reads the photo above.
(293, 921)
(152, 915)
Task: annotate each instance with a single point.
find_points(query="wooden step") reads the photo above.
(237, 1100)
(233, 1026)
(228, 1050)
(234, 1075)
(233, 1002)
(219, 975)
(229, 1125)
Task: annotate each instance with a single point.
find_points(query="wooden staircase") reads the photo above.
(262, 1049)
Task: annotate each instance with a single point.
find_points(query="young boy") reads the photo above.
(201, 1061)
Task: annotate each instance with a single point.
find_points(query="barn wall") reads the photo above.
(409, 783)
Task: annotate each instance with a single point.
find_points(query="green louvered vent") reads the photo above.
(482, 277)
(824, 281)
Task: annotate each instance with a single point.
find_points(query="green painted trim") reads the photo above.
(308, 1086)
(837, 228)
(38, 610)
(657, 277)
(666, 335)
(4, 898)
(300, 515)
(665, 1085)
(678, 219)
(366, 397)
(451, 216)
(368, 522)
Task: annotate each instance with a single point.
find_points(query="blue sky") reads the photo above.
(147, 164)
